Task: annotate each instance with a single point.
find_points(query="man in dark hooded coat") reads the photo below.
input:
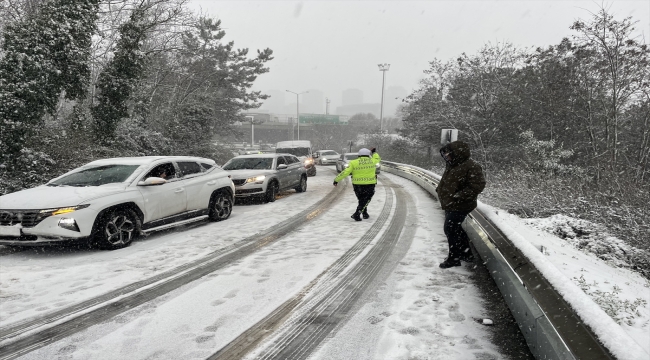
(458, 191)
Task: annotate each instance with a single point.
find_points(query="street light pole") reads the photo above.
(383, 68)
(252, 130)
(298, 109)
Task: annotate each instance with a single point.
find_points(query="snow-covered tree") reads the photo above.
(120, 76)
(201, 89)
(45, 57)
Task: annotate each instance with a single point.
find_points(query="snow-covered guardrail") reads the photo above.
(547, 309)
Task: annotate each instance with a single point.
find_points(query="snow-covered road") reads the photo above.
(294, 279)
(411, 309)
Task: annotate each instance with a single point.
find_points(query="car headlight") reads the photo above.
(377, 165)
(59, 211)
(309, 161)
(346, 165)
(256, 179)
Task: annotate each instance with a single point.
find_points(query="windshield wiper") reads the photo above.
(52, 184)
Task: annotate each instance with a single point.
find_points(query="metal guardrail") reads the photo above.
(551, 328)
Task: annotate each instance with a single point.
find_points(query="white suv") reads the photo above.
(327, 157)
(111, 201)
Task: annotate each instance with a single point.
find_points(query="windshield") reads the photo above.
(96, 176)
(299, 151)
(249, 163)
(351, 157)
(328, 153)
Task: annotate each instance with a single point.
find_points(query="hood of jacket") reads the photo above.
(459, 152)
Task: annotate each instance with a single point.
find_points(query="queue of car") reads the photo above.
(109, 202)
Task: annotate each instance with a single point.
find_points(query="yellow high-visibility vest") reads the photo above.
(362, 170)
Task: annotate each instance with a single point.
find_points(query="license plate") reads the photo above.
(10, 230)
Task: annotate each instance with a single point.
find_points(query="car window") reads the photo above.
(291, 159)
(298, 151)
(351, 156)
(189, 167)
(281, 160)
(206, 166)
(96, 176)
(328, 153)
(241, 163)
(166, 171)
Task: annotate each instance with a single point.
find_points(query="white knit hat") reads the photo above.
(364, 152)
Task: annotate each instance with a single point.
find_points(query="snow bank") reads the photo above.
(606, 329)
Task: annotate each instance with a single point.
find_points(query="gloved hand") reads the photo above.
(373, 150)
(335, 183)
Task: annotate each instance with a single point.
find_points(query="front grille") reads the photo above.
(247, 191)
(27, 218)
(239, 182)
(21, 238)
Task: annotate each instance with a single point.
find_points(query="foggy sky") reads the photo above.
(336, 45)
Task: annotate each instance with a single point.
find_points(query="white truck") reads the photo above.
(300, 148)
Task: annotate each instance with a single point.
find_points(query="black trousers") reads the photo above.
(364, 194)
(456, 236)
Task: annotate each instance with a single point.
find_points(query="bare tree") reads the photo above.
(621, 61)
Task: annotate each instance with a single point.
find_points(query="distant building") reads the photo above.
(352, 97)
(289, 108)
(312, 102)
(274, 104)
(392, 99)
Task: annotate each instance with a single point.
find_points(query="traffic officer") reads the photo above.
(364, 179)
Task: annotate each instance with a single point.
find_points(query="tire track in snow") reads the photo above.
(31, 334)
(332, 295)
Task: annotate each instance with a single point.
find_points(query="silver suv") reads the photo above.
(264, 175)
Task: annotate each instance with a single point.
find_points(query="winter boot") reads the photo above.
(365, 214)
(449, 262)
(356, 216)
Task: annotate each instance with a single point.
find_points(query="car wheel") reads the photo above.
(220, 206)
(302, 187)
(271, 191)
(116, 229)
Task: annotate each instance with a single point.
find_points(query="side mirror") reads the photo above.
(152, 181)
(282, 166)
